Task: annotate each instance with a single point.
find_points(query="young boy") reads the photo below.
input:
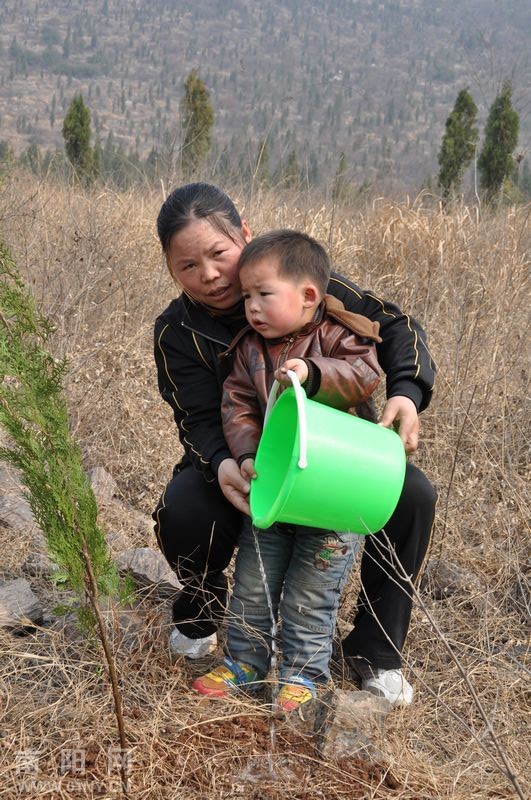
(292, 326)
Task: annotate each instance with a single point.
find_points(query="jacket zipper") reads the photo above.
(284, 352)
(204, 335)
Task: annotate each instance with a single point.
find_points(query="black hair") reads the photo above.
(197, 201)
(298, 256)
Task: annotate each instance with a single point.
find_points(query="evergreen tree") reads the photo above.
(76, 135)
(290, 174)
(339, 189)
(32, 158)
(496, 162)
(97, 158)
(458, 143)
(197, 123)
(262, 171)
(33, 413)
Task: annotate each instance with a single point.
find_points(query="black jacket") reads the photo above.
(189, 340)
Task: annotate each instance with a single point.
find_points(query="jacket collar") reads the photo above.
(200, 320)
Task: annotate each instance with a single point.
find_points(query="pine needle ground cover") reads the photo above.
(93, 263)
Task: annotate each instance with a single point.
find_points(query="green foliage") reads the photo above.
(32, 158)
(76, 134)
(197, 123)
(7, 159)
(34, 415)
(289, 174)
(458, 143)
(496, 162)
(524, 183)
(262, 171)
(339, 189)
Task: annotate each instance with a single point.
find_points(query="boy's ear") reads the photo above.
(310, 295)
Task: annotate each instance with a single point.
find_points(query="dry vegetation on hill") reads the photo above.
(93, 261)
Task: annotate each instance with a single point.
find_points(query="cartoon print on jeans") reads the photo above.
(332, 546)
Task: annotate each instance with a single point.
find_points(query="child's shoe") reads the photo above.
(225, 679)
(294, 692)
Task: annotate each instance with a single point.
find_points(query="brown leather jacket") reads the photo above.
(343, 370)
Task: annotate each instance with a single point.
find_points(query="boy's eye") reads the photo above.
(246, 296)
(217, 253)
(264, 294)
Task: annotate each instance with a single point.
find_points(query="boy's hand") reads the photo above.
(401, 412)
(296, 365)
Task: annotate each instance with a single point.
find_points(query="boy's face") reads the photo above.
(275, 305)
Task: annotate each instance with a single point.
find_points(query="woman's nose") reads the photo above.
(209, 272)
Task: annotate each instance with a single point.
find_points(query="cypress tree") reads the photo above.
(33, 412)
(197, 123)
(291, 173)
(496, 162)
(458, 143)
(76, 135)
(262, 169)
(340, 185)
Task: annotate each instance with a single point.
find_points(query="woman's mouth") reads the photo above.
(219, 292)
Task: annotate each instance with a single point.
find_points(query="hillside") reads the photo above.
(94, 264)
(374, 80)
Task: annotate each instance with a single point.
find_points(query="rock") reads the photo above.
(443, 579)
(39, 565)
(117, 541)
(103, 485)
(150, 571)
(351, 724)
(16, 514)
(19, 606)
(124, 627)
(142, 523)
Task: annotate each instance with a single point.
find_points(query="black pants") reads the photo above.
(197, 530)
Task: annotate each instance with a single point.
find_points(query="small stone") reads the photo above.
(150, 571)
(16, 514)
(351, 723)
(39, 565)
(19, 605)
(103, 485)
(117, 541)
(444, 578)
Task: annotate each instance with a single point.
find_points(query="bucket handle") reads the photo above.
(300, 397)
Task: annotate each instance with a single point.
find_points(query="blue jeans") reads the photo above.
(306, 570)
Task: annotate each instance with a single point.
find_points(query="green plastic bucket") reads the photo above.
(324, 468)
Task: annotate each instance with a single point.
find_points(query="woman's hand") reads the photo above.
(234, 485)
(247, 469)
(400, 412)
(296, 365)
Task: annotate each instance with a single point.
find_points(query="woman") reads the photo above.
(197, 528)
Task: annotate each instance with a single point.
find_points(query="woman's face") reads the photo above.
(203, 260)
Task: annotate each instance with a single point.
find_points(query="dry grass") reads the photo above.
(94, 263)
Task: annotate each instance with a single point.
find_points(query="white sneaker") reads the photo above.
(391, 684)
(181, 645)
